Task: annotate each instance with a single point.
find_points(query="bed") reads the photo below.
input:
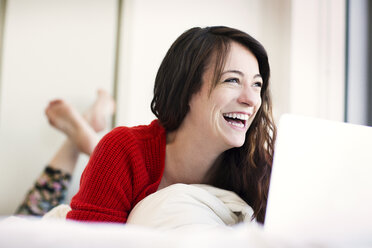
(177, 216)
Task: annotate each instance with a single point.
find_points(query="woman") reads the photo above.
(214, 126)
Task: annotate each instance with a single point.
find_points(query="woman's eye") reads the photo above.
(257, 84)
(232, 80)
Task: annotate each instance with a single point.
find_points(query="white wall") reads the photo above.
(317, 78)
(275, 34)
(52, 49)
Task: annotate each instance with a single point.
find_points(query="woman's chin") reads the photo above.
(235, 143)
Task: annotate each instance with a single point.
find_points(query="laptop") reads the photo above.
(321, 183)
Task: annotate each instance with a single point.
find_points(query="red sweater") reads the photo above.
(125, 167)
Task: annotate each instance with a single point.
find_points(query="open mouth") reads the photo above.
(237, 120)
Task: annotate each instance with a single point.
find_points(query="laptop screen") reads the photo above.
(321, 183)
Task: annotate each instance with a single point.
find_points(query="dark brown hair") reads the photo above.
(246, 169)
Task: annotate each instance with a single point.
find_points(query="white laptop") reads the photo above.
(321, 184)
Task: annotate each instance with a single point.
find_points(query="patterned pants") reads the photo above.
(48, 191)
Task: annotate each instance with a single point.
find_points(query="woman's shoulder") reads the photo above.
(140, 132)
(124, 137)
(129, 148)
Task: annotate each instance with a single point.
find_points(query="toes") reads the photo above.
(55, 102)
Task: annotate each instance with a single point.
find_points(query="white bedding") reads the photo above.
(182, 207)
(37, 233)
(191, 207)
(177, 216)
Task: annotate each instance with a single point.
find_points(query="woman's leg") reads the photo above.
(50, 188)
(81, 130)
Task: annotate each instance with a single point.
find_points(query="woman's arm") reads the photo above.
(108, 184)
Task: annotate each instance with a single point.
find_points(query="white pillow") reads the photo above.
(190, 207)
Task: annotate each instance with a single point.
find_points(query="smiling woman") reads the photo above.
(232, 103)
(214, 126)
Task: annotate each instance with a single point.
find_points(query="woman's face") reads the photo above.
(224, 114)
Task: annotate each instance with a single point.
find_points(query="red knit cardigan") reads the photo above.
(125, 167)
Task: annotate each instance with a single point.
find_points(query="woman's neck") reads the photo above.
(189, 156)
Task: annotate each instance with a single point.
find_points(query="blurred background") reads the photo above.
(319, 51)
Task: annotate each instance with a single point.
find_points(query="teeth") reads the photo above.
(241, 125)
(243, 117)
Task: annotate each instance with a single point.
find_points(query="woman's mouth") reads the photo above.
(236, 119)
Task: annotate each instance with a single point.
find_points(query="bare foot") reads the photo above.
(101, 110)
(65, 118)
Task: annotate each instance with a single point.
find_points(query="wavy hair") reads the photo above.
(245, 170)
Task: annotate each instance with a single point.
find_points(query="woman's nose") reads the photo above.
(249, 96)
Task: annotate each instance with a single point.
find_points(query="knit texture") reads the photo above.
(125, 167)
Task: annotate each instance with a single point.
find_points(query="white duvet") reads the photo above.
(177, 216)
(182, 206)
(190, 207)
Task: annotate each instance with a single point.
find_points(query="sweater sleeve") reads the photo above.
(109, 183)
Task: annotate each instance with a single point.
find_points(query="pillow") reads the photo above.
(190, 207)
